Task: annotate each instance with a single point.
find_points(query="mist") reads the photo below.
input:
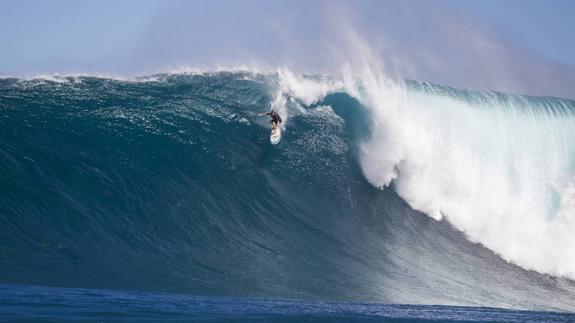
(423, 40)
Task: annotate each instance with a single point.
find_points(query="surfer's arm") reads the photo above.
(265, 113)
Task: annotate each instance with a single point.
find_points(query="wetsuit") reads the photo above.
(275, 117)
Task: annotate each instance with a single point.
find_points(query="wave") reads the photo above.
(499, 167)
(168, 183)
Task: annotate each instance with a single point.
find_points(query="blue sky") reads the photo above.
(61, 35)
(479, 44)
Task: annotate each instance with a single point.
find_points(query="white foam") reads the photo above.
(305, 89)
(502, 172)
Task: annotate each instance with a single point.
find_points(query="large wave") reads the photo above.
(169, 183)
(499, 167)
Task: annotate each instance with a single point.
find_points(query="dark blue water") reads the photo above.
(49, 303)
(170, 185)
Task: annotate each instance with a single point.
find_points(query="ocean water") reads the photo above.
(56, 304)
(163, 193)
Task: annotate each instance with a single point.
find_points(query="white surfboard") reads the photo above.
(276, 135)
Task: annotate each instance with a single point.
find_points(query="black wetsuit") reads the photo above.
(275, 117)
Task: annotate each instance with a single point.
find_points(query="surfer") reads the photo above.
(276, 119)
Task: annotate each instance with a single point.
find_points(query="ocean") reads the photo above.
(161, 198)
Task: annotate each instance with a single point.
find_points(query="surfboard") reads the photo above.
(276, 135)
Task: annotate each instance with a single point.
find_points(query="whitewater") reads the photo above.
(498, 167)
(375, 184)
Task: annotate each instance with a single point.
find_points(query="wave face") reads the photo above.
(169, 183)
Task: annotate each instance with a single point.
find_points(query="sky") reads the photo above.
(545, 27)
(518, 46)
